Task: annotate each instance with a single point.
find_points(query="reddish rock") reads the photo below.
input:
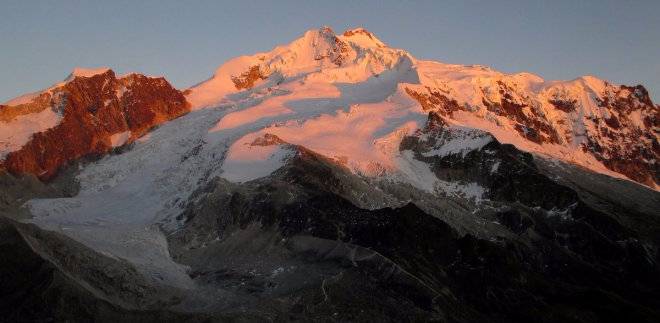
(247, 79)
(620, 142)
(94, 108)
(358, 31)
(531, 126)
(564, 105)
(339, 51)
(624, 138)
(435, 101)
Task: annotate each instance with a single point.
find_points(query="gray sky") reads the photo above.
(185, 41)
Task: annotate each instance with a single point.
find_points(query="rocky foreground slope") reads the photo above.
(332, 179)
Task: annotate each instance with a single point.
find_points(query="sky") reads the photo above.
(185, 41)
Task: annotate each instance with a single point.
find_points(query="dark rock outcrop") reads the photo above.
(562, 258)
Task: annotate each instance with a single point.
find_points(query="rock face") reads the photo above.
(619, 129)
(247, 79)
(462, 155)
(555, 257)
(620, 141)
(98, 113)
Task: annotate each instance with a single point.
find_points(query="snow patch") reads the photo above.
(495, 167)
(119, 139)
(470, 191)
(415, 172)
(18, 132)
(86, 72)
(418, 174)
(23, 99)
(460, 142)
(247, 161)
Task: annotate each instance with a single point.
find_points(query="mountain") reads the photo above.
(606, 128)
(332, 178)
(89, 113)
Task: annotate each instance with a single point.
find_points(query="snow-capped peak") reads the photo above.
(586, 121)
(76, 72)
(86, 72)
(362, 38)
(349, 58)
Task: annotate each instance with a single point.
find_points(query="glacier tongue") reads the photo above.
(125, 198)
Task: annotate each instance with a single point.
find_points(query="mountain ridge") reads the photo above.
(332, 179)
(88, 114)
(586, 121)
(574, 119)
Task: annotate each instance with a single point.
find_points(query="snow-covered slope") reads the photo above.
(16, 132)
(604, 127)
(350, 97)
(319, 56)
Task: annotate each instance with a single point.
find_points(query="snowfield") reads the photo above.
(247, 160)
(17, 132)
